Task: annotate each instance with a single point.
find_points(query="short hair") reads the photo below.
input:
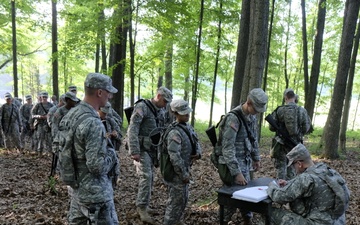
(290, 94)
(90, 91)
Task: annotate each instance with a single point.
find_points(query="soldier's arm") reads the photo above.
(174, 141)
(134, 128)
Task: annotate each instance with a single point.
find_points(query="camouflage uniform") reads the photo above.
(42, 129)
(115, 116)
(94, 198)
(10, 125)
(25, 115)
(142, 122)
(237, 151)
(179, 148)
(303, 125)
(49, 119)
(311, 200)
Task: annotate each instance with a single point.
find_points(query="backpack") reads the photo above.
(338, 185)
(68, 167)
(166, 167)
(291, 118)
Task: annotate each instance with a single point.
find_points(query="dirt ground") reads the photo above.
(27, 196)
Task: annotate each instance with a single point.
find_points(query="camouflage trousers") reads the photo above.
(99, 214)
(177, 201)
(43, 138)
(12, 138)
(145, 171)
(285, 217)
(282, 170)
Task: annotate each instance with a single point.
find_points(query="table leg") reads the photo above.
(221, 214)
(267, 219)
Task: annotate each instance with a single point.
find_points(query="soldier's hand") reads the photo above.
(135, 157)
(256, 165)
(240, 179)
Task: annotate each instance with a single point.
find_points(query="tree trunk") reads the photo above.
(14, 47)
(330, 136)
(120, 54)
(216, 66)
(196, 78)
(168, 63)
(242, 48)
(305, 49)
(349, 87)
(315, 68)
(286, 76)
(55, 58)
(132, 43)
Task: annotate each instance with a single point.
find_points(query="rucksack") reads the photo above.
(68, 167)
(338, 185)
(291, 119)
(166, 167)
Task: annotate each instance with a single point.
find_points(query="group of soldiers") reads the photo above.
(34, 127)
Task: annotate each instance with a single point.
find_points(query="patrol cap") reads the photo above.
(72, 88)
(99, 81)
(62, 98)
(44, 94)
(27, 97)
(106, 108)
(70, 95)
(166, 93)
(259, 99)
(299, 152)
(7, 96)
(180, 106)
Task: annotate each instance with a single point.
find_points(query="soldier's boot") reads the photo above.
(151, 211)
(144, 216)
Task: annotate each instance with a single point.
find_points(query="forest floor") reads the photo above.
(27, 196)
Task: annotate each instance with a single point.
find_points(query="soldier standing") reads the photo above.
(93, 199)
(113, 131)
(148, 115)
(42, 130)
(182, 146)
(10, 123)
(239, 145)
(294, 120)
(25, 115)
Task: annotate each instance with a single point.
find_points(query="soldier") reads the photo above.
(182, 146)
(239, 149)
(317, 195)
(73, 89)
(296, 122)
(54, 100)
(25, 115)
(17, 101)
(113, 131)
(42, 130)
(50, 115)
(148, 115)
(10, 124)
(93, 199)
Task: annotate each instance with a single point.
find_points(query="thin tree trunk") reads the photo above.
(14, 46)
(132, 43)
(355, 114)
(196, 78)
(241, 54)
(349, 88)
(305, 49)
(330, 136)
(286, 76)
(55, 58)
(315, 68)
(216, 66)
(168, 63)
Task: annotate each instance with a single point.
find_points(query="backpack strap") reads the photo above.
(241, 117)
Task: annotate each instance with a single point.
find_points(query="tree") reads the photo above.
(305, 48)
(241, 53)
(55, 62)
(14, 46)
(330, 138)
(315, 68)
(349, 88)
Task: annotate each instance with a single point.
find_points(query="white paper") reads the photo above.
(252, 194)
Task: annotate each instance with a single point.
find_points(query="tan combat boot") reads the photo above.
(144, 216)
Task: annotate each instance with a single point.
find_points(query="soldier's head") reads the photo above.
(163, 97)
(98, 89)
(8, 98)
(70, 100)
(54, 98)
(28, 99)
(299, 157)
(289, 95)
(44, 96)
(73, 89)
(256, 101)
(181, 110)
